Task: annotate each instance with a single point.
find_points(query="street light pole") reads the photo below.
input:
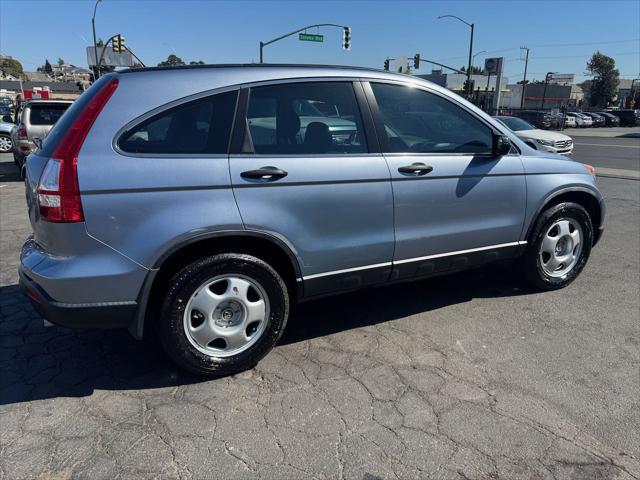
(470, 25)
(96, 70)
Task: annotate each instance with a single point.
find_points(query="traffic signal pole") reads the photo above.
(264, 44)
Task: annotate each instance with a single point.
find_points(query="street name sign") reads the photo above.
(308, 37)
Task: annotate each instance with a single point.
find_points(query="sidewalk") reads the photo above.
(605, 132)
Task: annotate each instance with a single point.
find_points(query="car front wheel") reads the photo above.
(559, 246)
(223, 313)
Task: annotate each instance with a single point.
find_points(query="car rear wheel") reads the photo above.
(222, 314)
(560, 246)
(6, 145)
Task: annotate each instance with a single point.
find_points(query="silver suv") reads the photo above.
(34, 120)
(203, 202)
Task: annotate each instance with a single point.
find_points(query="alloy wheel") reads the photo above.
(5, 144)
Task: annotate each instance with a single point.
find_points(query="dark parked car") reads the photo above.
(598, 120)
(628, 118)
(610, 119)
(541, 120)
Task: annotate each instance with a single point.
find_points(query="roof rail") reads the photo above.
(247, 65)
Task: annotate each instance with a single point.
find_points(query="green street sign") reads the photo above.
(308, 37)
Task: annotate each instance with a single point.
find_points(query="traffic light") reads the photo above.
(416, 61)
(386, 64)
(118, 44)
(346, 38)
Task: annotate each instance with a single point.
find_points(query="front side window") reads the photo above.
(305, 118)
(199, 127)
(421, 122)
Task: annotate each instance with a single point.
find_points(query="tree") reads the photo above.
(47, 67)
(194, 62)
(171, 61)
(474, 70)
(11, 66)
(60, 62)
(606, 79)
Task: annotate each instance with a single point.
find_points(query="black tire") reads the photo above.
(182, 286)
(532, 264)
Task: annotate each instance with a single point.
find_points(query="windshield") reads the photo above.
(516, 124)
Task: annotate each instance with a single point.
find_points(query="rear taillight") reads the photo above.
(22, 132)
(58, 190)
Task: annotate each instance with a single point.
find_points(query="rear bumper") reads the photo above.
(96, 289)
(82, 315)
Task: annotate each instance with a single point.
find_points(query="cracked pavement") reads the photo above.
(462, 377)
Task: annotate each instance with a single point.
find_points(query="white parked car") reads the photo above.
(546, 140)
(570, 122)
(588, 121)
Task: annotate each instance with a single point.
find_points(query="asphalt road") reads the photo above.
(470, 376)
(619, 153)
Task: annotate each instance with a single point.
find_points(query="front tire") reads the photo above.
(559, 246)
(222, 314)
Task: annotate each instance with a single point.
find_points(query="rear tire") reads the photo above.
(559, 246)
(222, 314)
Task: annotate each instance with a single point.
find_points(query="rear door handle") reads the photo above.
(265, 173)
(417, 169)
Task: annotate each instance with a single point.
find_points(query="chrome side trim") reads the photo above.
(347, 270)
(459, 252)
(416, 259)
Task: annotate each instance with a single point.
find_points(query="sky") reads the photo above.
(561, 35)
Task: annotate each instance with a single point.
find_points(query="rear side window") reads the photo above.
(46, 114)
(196, 127)
(305, 118)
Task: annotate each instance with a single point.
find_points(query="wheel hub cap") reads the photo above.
(226, 315)
(561, 247)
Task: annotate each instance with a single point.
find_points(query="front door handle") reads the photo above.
(417, 169)
(267, 174)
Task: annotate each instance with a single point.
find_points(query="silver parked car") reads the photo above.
(6, 125)
(34, 120)
(202, 202)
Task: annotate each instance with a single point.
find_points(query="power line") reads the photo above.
(584, 55)
(555, 45)
(584, 43)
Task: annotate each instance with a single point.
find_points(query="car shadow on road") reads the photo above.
(38, 362)
(9, 172)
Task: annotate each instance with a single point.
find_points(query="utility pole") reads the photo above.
(524, 78)
(96, 71)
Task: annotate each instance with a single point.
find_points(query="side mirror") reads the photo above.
(7, 119)
(501, 145)
(37, 141)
